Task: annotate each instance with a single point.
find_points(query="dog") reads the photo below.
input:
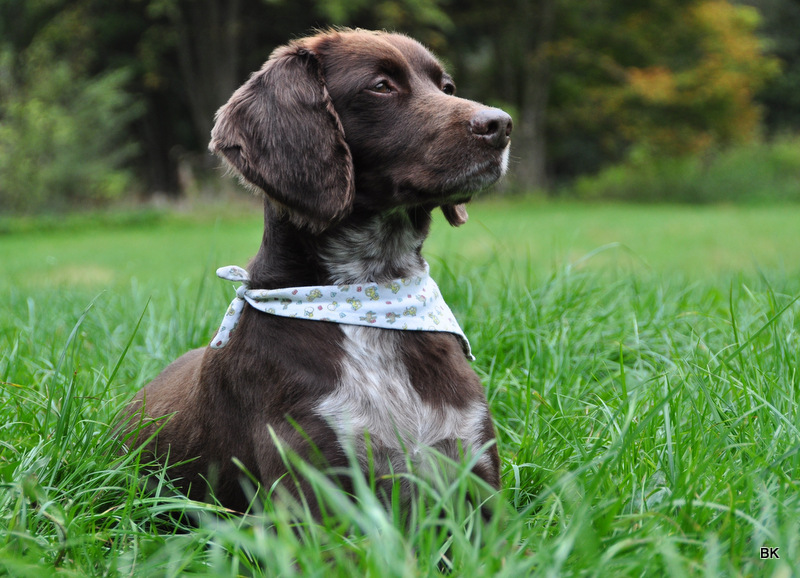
(353, 138)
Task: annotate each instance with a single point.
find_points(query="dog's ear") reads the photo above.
(280, 132)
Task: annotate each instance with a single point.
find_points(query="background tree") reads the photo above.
(64, 120)
(780, 96)
(501, 52)
(591, 79)
(589, 82)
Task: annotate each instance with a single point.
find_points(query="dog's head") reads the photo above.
(365, 120)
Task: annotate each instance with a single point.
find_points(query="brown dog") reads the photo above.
(354, 137)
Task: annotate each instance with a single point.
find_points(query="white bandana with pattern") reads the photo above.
(412, 304)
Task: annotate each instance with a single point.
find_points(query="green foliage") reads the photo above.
(63, 137)
(648, 426)
(744, 174)
(588, 81)
(676, 78)
(425, 17)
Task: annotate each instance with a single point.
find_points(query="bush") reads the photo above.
(62, 137)
(762, 172)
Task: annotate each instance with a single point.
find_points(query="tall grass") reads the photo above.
(648, 426)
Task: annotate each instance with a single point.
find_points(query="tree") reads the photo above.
(780, 96)
(590, 80)
(500, 52)
(63, 130)
(699, 97)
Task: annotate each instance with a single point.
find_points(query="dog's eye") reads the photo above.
(382, 87)
(449, 89)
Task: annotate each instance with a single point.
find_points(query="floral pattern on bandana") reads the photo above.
(411, 304)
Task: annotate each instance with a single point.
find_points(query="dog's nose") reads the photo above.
(492, 125)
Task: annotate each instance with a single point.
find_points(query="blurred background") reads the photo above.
(691, 101)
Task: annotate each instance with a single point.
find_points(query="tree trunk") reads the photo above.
(527, 44)
(208, 56)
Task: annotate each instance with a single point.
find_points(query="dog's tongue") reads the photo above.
(456, 215)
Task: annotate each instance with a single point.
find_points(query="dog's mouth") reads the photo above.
(478, 176)
(475, 179)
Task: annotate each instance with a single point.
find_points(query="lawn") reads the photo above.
(641, 363)
(698, 242)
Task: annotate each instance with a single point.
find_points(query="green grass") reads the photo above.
(641, 364)
(150, 247)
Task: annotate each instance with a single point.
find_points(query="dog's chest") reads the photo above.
(376, 396)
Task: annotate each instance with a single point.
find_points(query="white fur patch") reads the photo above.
(378, 251)
(375, 396)
(504, 160)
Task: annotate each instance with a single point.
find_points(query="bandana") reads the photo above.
(409, 304)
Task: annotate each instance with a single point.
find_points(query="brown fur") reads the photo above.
(350, 174)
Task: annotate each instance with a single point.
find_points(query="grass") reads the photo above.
(645, 395)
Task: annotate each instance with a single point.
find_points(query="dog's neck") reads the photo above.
(363, 248)
(376, 248)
